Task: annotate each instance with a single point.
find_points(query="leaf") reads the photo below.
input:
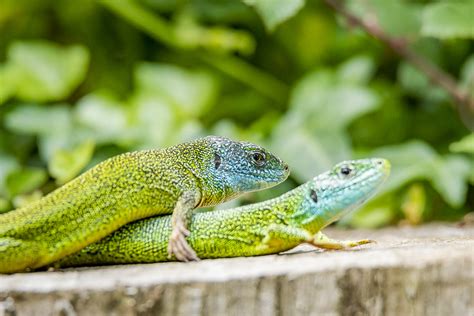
(378, 212)
(313, 132)
(326, 101)
(395, 17)
(307, 154)
(4, 205)
(191, 91)
(38, 120)
(357, 70)
(47, 71)
(25, 180)
(154, 120)
(275, 12)
(27, 198)
(449, 177)
(104, 117)
(416, 83)
(8, 164)
(66, 164)
(448, 19)
(465, 145)
(416, 160)
(8, 81)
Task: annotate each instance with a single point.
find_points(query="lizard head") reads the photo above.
(345, 187)
(245, 167)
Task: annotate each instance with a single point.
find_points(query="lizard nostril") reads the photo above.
(286, 167)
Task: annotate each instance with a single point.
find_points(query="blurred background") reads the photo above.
(81, 81)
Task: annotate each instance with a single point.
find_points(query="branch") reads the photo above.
(436, 75)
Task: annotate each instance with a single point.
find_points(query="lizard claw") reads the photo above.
(178, 246)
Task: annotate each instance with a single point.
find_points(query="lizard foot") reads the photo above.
(178, 245)
(322, 241)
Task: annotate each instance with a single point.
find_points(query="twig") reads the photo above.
(436, 75)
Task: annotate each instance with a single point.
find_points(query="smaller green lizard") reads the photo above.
(268, 227)
(133, 186)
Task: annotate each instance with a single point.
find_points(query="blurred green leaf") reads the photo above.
(465, 145)
(49, 144)
(449, 177)
(275, 12)
(4, 205)
(396, 17)
(313, 132)
(8, 164)
(416, 83)
(105, 118)
(377, 213)
(27, 198)
(192, 91)
(47, 71)
(66, 164)
(357, 70)
(8, 82)
(38, 120)
(148, 110)
(449, 19)
(415, 160)
(25, 180)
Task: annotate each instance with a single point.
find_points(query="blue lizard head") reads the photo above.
(245, 167)
(345, 187)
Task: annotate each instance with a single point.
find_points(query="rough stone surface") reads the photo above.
(410, 271)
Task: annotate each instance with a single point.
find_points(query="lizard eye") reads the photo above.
(345, 170)
(258, 158)
(314, 196)
(217, 161)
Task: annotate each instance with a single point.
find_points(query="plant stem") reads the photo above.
(435, 74)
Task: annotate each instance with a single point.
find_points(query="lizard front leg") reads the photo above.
(322, 241)
(283, 237)
(182, 212)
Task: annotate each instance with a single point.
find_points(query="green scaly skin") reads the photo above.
(268, 227)
(129, 187)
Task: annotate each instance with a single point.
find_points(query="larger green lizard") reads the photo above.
(133, 186)
(268, 227)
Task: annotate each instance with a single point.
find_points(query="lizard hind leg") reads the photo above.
(16, 255)
(322, 241)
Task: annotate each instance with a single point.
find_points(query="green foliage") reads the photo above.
(83, 81)
(449, 19)
(24, 180)
(41, 71)
(274, 12)
(417, 160)
(322, 104)
(66, 164)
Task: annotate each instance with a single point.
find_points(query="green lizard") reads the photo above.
(268, 227)
(133, 186)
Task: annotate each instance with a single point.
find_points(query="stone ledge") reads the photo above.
(410, 271)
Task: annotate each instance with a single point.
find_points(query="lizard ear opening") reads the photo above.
(217, 161)
(314, 196)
